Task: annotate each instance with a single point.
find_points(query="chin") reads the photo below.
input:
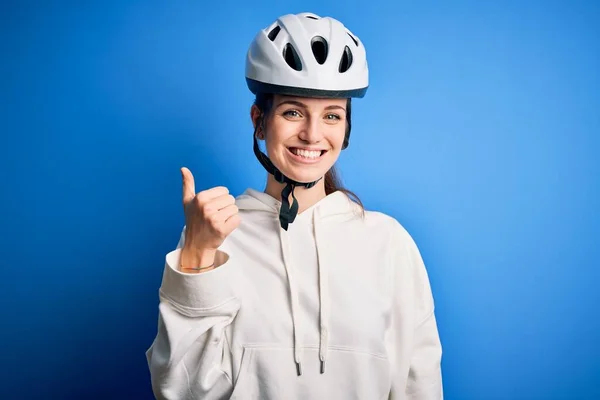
(305, 176)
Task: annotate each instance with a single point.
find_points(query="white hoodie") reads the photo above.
(343, 300)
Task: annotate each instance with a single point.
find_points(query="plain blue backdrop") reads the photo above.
(479, 133)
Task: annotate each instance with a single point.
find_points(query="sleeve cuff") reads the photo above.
(198, 291)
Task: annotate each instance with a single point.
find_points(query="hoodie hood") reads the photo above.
(334, 205)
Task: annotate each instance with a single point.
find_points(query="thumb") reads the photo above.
(189, 188)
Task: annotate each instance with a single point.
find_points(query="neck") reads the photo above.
(306, 197)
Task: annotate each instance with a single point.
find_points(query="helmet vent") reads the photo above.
(311, 17)
(353, 38)
(291, 57)
(319, 49)
(346, 60)
(273, 34)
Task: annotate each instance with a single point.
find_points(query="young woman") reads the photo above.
(296, 292)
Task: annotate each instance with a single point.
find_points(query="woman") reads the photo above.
(296, 292)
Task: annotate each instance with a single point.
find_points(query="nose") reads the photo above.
(311, 132)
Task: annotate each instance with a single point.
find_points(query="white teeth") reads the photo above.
(307, 153)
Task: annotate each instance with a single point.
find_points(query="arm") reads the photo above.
(190, 356)
(414, 340)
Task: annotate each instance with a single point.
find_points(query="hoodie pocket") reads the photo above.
(270, 373)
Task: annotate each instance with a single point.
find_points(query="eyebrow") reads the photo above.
(302, 105)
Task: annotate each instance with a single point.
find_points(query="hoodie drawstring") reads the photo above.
(285, 249)
(323, 297)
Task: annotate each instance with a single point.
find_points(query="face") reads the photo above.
(304, 136)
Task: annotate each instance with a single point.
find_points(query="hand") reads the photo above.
(210, 216)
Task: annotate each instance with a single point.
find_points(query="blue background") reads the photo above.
(480, 133)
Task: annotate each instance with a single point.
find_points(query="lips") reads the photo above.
(306, 156)
(305, 153)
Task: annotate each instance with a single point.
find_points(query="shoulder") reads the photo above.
(389, 224)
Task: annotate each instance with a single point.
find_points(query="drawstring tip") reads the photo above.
(322, 367)
(298, 369)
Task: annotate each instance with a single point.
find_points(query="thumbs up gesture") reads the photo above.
(210, 216)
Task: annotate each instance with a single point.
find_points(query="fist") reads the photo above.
(210, 215)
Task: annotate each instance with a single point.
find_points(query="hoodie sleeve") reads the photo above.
(190, 356)
(413, 342)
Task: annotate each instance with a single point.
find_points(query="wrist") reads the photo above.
(197, 259)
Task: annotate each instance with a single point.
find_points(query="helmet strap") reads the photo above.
(287, 212)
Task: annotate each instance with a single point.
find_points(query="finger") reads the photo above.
(226, 213)
(210, 194)
(189, 187)
(219, 203)
(232, 223)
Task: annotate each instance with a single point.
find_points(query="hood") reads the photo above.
(334, 204)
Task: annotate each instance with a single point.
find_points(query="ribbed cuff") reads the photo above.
(198, 290)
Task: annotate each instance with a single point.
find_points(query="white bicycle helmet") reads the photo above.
(307, 55)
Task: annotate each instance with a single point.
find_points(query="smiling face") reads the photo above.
(304, 136)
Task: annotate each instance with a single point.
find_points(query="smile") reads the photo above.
(306, 155)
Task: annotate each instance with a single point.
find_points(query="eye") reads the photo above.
(292, 113)
(333, 117)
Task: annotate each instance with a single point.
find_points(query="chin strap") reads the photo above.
(287, 213)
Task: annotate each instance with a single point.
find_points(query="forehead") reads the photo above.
(310, 102)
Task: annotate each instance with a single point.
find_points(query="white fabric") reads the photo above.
(336, 291)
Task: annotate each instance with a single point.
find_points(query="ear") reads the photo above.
(255, 116)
